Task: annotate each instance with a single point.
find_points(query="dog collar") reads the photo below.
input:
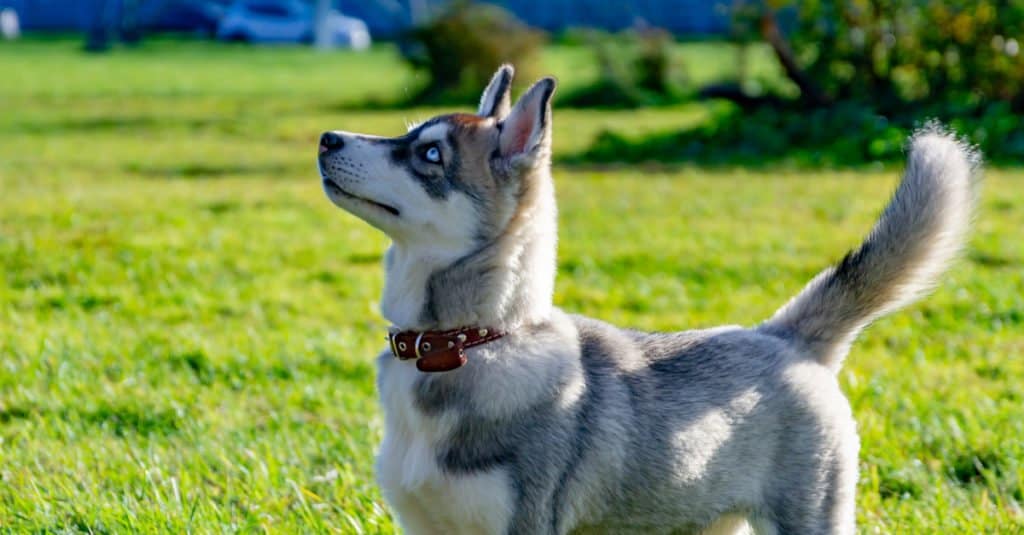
(438, 351)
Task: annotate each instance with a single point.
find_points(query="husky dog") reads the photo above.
(562, 424)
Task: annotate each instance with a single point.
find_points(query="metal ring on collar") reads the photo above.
(394, 349)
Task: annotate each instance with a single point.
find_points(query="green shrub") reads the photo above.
(637, 68)
(462, 47)
(895, 53)
(869, 72)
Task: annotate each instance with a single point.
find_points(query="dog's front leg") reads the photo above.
(480, 503)
(412, 515)
(537, 513)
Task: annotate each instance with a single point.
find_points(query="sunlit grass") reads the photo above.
(187, 326)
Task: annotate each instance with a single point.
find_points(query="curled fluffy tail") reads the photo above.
(920, 231)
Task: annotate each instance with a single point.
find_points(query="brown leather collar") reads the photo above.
(438, 351)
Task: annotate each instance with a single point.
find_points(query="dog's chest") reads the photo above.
(408, 470)
(408, 455)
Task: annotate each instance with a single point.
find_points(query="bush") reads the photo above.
(869, 72)
(637, 68)
(461, 49)
(900, 53)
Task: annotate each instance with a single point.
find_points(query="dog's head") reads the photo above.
(453, 181)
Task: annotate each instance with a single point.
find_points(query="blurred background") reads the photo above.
(187, 326)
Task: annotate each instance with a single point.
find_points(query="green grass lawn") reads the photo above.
(187, 325)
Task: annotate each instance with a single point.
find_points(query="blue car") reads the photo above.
(288, 21)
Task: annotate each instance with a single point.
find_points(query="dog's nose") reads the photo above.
(330, 141)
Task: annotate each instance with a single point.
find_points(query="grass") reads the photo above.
(187, 326)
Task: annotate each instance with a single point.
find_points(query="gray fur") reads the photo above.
(438, 182)
(495, 101)
(611, 461)
(918, 233)
(571, 425)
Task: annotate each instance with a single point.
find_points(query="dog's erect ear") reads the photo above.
(495, 101)
(526, 132)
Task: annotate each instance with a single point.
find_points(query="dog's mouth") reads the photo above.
(333, 188)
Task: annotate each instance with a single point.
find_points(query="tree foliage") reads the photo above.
(899, 53)
(868, 73)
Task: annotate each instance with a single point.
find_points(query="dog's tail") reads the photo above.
(919, 232)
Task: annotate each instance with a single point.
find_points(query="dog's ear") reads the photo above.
(526, 132)
(495, 101)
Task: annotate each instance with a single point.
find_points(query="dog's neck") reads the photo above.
(504, 284)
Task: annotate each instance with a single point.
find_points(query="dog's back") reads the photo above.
(713, 422)
(753, 420)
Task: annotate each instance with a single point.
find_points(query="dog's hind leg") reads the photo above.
(812, 488)
(822, 506)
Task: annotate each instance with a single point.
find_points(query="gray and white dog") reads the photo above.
(570, 425)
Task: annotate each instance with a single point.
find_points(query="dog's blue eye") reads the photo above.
(432, 154)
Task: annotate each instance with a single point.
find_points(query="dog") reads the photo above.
(505, 415)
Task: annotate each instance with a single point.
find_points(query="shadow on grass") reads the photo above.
(369, 104)
(976, 466)
(896, 484)
(697, 273)
(207, 170)
(994, 260)
(123, 419)
(120, 419)
(237, 373)
(846, 135)
(605, 94)
(112, 123)
(10, 413)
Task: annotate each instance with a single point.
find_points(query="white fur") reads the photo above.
(406, 460)
(429, 500)
(407, 471)
(441, 230)
(410, 263)
(918, 234)
(429, 234)
(757, 433)
(494, 102)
